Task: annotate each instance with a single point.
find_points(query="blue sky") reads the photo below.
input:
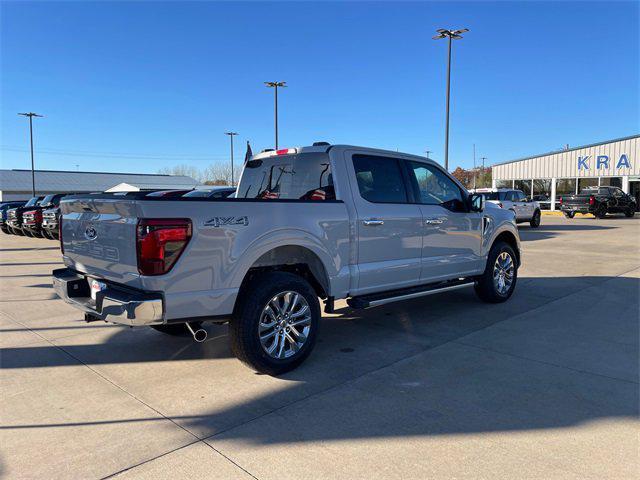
(140, 86)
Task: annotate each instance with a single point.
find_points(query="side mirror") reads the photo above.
(476, 202)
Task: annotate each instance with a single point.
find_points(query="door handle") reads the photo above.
(373, 222)
(434, 221)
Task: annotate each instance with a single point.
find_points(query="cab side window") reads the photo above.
(380, 179)
(434, 187)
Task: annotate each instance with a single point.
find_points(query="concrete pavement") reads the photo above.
(543, 386)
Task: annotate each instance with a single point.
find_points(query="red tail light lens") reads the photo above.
(160, 242)
(560, 200)
(592, 200)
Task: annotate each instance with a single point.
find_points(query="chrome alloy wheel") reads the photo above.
(284, 324)
(503, 271)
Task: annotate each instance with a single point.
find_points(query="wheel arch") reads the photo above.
(297, 259)
(509, 238)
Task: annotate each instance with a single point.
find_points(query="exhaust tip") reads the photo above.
(200, 335)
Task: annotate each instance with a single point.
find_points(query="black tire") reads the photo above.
(569, 214)
(629, 212)
(485, 286)
(535, 220)
(47, 234)
(601, 211)
(177, 329)
(244, 327)
(27, 233)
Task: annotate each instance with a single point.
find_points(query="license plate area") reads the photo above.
(95, 286)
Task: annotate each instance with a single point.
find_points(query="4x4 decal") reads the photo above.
(225, 221)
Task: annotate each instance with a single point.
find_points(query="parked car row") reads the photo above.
(28, 218)
(39, 216)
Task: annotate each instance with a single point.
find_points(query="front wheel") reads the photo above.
(535, 220)
(629, 212)
(500, 275)
(569, 214)
(274, 329)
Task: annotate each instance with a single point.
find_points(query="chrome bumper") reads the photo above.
(112, 304)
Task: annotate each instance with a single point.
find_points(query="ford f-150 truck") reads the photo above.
(321, 222)
(598, 201)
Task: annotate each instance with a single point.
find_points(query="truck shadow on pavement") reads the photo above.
(551, 231)
(446, 364)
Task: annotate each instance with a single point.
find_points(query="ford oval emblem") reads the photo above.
(90, 233)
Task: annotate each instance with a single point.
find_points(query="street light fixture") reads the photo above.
(231, 135)
(33, 174)
(451, 35)
(275, 86)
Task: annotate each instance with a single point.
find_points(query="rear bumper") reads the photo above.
(114, 304)
(576, 208)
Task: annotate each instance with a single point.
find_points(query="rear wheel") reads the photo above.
(274, 330)
(499, 279)
(569, 214)
(535, 220)
(601, 211)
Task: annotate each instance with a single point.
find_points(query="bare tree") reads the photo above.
(220, 173)
(183, 169)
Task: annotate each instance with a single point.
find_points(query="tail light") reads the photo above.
(592, 200)
(560, 200)
(160, 242)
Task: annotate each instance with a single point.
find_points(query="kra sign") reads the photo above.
(603, 161)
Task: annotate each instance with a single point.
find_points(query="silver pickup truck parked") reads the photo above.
(321, 222)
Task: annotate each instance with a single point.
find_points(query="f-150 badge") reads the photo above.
(227, 221)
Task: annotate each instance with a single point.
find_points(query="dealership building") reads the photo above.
(550, 175)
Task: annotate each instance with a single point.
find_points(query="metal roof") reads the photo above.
(70, 181)
(555, 152)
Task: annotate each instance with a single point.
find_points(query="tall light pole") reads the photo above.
(33, 174)
(231, 135)
(427, 152)
(275, 86)
(451, 35)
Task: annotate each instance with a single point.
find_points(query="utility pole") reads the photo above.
(451, 35)
(483, 175)
(427, 152)
(275, 86)
(231, 135)
(33, 172)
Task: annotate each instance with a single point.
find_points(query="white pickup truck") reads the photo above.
(320, 222)
(524, 209)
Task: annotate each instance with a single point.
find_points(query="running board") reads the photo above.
(377, 299)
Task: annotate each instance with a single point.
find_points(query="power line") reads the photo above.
(129, 155)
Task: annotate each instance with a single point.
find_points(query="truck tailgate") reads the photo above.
(99, 238)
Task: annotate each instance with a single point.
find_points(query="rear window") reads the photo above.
(306, 176)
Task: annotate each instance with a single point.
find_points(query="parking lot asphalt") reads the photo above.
(543, 386)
